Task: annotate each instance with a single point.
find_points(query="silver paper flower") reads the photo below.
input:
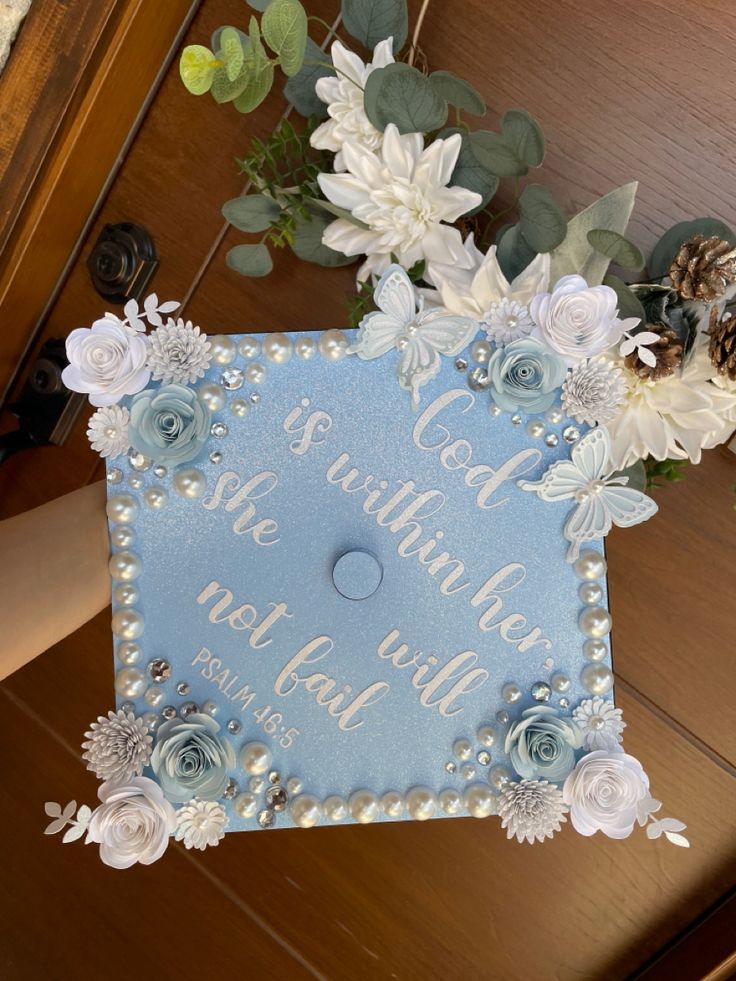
(201, 823)
(118, 747)
(601, 723)
(179, 352)
(531, 810)
(507, 321)
(594, 391)
(108, 430)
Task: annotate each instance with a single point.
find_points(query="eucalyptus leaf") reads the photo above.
(575, 255)
(308, 245)
(524, 134)
(250, 260)
(629, 304)
(400, 94)
(226, 89)
(259, 5)
(252, 213)
(217, 37)
(338, 212)
(541, 222)
(258, 70)
(618, 249)
(637, 474)
(471, 174)
(513, 252)
(458, 92)
(284, 26)
(494, 153)
(197, 67)
(668, 246)
(371, 21)
(231, 52)
(300, 89)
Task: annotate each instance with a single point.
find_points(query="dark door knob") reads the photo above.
(122, 262)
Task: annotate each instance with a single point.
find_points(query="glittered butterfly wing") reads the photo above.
(591, 454)
(626, 505)
(447, 333)
(377, 335)
(396, 296)
(590, 520)
(561, 481)
(419, 362)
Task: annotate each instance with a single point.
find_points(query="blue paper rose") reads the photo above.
(191, 760)
(168, 424)
(541, 745)
(524, 375)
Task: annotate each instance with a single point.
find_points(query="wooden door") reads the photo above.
(638, 90)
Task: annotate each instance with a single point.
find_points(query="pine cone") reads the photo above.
(667, 350)
(703, 268)
(722, 347)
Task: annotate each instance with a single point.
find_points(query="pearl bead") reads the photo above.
(122, 537)
(125, 566)
(596, 678)
(155, 497)
(333, 345)
(364, 806)
(277, 348)
(255, 758)
(535, 428)
(462, 749)
(150, 721)
(135, 481)
(126, 594)
(595, 622)
(249, 347)
(486, 736)
(450, 801)
(560, 682)
(494, 410)
(554, 415)
(129, 653)
(190, 483)
(245, 805)
(590, 593)
(153, 696)
(392, 804)
(294, 786)
(240, 408)
(305, 811)
(498, 777)
(210, 708)
(595, 650)
(421, 803)
(212, 396)
(480, 352)
(222, 348)
(590, 565)
(122, 509)
(334, 807)
(130, 682)
(255, 373)
(511, 693)
(479, 801)
(127, 624)
(257, 785)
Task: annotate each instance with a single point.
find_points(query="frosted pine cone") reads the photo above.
(108, 430)
(179, 352)
(531, 810)
(201, 823)
(594, 391)
(118, 747)
(601, 723)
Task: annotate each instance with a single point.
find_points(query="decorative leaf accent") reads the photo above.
(400, 94)
(52, 809)
(74, 832)
(513, 252)
(300, 88)
(629, 304)
(338, 212)
(258, 70)
(494, 153)
(616, 247)
(575, 254)
(231, 52)
(259, 5)
(371, 21)
(308, 245)
(541, 222)
(524, 135)
(676, 839)
(458, 92)
(252, 213)
(666, 248)
(197, 67)
(250, 260)
(284, 26)
(470, 173)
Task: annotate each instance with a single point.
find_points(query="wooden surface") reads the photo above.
(625, 92)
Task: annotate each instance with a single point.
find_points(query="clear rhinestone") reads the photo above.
(139, 461)
(277, 799)
(274, 777)
(256, 784)
(128, 707)
(255, 398)
(218, 429)
(187, 709)
(483, 757)
(216, 457)
(541, 691)
(168, 712)
(159, 670)
(564, 703)
(115, 475)
(210, 708)
(266, 818)
(516, 419)
(451, 767)
(182, 688)
(551, 439)
(478, 379)
(502, 717)
(231, 790)
(160, 470)
(232, 379)
(234, 727)
(461, 364)
(571, 434)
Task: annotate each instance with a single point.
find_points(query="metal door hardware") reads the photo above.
(122, 262)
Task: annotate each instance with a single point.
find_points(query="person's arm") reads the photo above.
(53, 573)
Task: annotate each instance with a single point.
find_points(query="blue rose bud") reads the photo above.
(168, 424)
(190, 759)
(525, 375)
(541, 745)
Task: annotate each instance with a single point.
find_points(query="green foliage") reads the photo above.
(470, 173)
(259, 5)
(360, 304)
(457, 92)
(667, 247)
(284, 26)
(513, 252)
(524, 135)
(616, 247)
(661, 472)
(231, 52)
(542, 224)
(258, 71)
(401, 95)
(300, 88)
(250, 260)
(371, 21)
(629, 304)
(637, 474)
(307, 242)
(252, 213)
(197, 67)
(493, 152)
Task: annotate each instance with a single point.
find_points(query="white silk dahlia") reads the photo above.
(343, 93)
(400, 197)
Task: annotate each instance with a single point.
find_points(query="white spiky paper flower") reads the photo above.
(531, 810)
(594, 391)
(117, 747)
(179, 352)
(108, 430)
(201, 824)
(601, 722)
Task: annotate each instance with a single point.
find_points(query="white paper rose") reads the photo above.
(603, 792)
(132, 824)
(578, 321)
(106, 361)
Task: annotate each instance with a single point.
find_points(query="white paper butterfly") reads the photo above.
(601, 500)
(419, 335)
